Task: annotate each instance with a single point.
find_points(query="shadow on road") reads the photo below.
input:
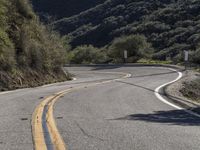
(172, 98)
(155, 74)
(173, 117)
(137, 76)
(106, 67)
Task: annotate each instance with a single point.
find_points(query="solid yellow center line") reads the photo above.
(37, 128)
(55, 136)
(37, 120)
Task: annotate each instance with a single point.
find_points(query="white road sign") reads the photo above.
(125, 54)
(186, 53)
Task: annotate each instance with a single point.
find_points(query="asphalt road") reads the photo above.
(120, 115)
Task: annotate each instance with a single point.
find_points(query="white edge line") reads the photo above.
(48, 85)
(2, 93)
(74, 79)
(156, 92)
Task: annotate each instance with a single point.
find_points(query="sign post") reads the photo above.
(186, 58)
(125, 55)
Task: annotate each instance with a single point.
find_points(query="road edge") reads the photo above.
(172, 101)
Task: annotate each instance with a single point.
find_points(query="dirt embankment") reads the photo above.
(30, 78)
(188, 88)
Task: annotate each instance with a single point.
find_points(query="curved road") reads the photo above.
(123, 114)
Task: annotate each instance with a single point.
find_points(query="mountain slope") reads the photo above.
(63, 8)
(170, 25)
(30, 54)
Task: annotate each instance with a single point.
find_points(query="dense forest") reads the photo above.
(30, 53)
(171, 26)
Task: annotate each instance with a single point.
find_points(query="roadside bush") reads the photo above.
(136, 45)
(87, 54)
(174, 52)
(196, 56)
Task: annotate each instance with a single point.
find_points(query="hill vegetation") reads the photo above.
(136, 46)
(30, 53)
(62, 8)
(170, 26)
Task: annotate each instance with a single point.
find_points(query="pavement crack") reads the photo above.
(86, 134)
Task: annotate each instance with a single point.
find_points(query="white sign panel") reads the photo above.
(186, 53)
(125, 54)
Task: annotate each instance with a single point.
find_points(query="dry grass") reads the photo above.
(29, 78)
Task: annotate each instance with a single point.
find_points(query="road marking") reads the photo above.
(160, 87)
(8, 92)
(37, 129)
(56, 141)
(56, 138)
(48, 85)
(2, 93)
(74, 79)
(158, 95)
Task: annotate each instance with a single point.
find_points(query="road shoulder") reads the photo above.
(173, 91)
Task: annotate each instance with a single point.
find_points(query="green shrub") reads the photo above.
(196, 56)
(87, 54)
(136, 46)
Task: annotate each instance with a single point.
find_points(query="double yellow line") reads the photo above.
(38, 121)
(43, 115)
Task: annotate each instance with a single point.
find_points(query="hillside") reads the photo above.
(62, 8)
(30, 53)
(169, 25)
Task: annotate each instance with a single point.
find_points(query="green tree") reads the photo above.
(136, 46)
